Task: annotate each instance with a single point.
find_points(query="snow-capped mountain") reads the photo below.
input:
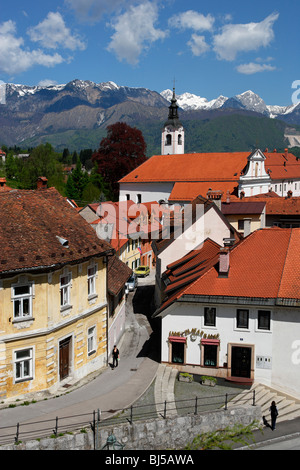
(248, 100)
(188, 101)
(36, 112)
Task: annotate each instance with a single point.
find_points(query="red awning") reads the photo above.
(177, 339)
(214, 342)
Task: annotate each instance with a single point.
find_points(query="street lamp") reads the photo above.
(112, 443)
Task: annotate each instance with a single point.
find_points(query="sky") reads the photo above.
(205, 48)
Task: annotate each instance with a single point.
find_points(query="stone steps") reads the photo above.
(164, 390)
(288, 408)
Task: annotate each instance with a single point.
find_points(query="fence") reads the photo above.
(99, 419)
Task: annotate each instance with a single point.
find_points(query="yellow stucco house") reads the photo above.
(53, 294)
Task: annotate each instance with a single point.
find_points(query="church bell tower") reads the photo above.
(172, 137)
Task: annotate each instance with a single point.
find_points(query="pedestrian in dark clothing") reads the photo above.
(274, 414)
(115, 355)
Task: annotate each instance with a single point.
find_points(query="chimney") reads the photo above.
(228, 197)
(2, 183)
(224, 261)
(247, 227)
(42, 182)
(286, 152)
(215, 196)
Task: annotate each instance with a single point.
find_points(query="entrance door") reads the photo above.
(64, 358)
(240, 362)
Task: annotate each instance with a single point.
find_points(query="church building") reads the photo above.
(179, 177)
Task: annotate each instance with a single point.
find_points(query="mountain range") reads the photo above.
(76, 114)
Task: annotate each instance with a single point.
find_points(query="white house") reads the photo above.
(196, 222)
(233, 312)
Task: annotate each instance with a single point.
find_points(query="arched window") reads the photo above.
(168, 139)
(179, 139)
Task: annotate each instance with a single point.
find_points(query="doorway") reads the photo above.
(64, 358)
(241, 361)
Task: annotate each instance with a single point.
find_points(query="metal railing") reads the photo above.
(98, 418)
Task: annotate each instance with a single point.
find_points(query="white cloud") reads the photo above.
(192, 20)
(47, 82)
(52, 33)
(252, 67)
(198, 45)
(134, 32)
(236, 38)
(14, 58)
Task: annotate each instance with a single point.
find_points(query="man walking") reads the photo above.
(115, 355)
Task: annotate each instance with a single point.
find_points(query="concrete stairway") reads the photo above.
(288, 407)
(164, 390)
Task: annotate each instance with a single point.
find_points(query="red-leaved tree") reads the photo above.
(120, 152)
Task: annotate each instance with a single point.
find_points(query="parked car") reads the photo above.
(132, 283)
(142, 271)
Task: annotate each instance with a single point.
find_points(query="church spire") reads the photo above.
(172, 139)
(173, 109)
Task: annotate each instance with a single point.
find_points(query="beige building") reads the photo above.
(53, 294)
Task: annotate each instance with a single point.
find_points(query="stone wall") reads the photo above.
(153, 434)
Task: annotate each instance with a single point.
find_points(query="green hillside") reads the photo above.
(233, 132)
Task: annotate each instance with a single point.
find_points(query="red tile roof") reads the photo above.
(118, 274)
(210, 167)
(31, 223)
(188, 191)
(264, 265)
(190, 167)
(275, 205)
(187, 269)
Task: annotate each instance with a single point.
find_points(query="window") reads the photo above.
(23, 365)
(92, 340)
(275, 188)
(168, 139)
(22, 299)
(138, 198)
(179, 139)
(209, 316)
(242, 318)
(92, 272)
(65, 285)
(240, 224)
(264, 320)
(210, 355)
(127, 197)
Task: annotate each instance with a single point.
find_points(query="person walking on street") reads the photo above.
(274, 414)
(115, 355)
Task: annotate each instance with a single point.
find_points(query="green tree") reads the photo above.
(43, 161)
(77, 182)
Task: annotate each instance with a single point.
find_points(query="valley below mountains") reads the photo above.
(75, 116)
